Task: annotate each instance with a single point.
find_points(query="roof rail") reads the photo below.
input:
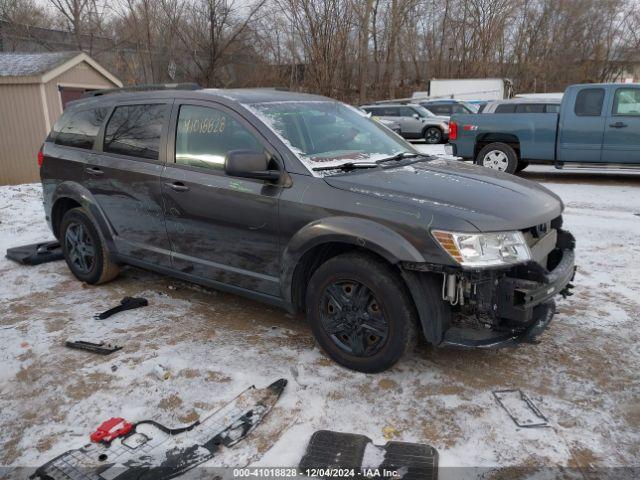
(143, 88)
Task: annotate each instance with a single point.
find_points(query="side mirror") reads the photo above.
(416, 116)
(249, 164)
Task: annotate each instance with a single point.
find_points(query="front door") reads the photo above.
(622, 127)
(221, 228)
(124, 178)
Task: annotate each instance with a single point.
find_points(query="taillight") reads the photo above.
(40, 157)
(453, 130)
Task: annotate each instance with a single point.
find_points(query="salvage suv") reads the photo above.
(305, 203)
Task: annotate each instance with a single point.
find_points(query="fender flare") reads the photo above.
(85, 198)
(355, 231)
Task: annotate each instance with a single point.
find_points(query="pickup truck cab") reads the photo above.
(597, 125)
(306, 203)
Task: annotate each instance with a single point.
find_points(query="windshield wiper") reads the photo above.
(347, 166)
(399, 156)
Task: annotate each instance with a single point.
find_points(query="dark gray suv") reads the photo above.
(305, 203)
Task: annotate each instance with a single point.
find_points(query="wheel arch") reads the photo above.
(485, 139)
(70, 195)
(324, 239)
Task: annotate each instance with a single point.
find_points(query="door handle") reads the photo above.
(618, 125)
(177, 186)
(93, 171)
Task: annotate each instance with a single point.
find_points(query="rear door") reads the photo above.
(124, 178)
(409, 123)
(582, 123)
(221, 228)
(622, 127)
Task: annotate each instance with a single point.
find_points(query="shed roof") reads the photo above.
(42, 67)
(30, 64)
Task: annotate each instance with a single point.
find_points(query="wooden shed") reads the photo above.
(34, 89)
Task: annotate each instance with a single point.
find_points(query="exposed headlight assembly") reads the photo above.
(484, 249)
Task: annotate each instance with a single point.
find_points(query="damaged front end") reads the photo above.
(501, 306)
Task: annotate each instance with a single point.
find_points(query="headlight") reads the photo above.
(484, 249)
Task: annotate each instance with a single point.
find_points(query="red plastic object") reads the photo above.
(40, 157)
(453, 131)
(112, 428)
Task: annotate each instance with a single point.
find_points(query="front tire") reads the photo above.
(360, 312)
(498, 156)
(84, 249)
(433, 135)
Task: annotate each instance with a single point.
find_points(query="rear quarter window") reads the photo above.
(589, 102)
(135, 130)
(78, 129)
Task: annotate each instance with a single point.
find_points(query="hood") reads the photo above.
(488, 199)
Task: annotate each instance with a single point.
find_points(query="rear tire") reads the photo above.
(360, 312)
(84, 248)
(433, 135)
(498, 156)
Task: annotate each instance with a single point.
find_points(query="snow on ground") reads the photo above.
(583, 375)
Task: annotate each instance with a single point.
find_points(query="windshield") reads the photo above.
(325, 133)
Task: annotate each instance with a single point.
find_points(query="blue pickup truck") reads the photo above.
(598, 125)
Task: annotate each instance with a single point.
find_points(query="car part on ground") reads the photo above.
(329, 452)
(520, 408)
(111, 429)
(36, 253)
(150, 450)
(103, 348)
(127, 303)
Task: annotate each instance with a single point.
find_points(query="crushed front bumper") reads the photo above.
(497, 307)
(518, 305)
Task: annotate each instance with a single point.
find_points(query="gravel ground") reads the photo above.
(583, 375)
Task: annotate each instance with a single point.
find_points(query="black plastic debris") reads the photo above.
(36, 253)
(399, 460)
(127, 303)
(151, 451)
(102, 348)
(520, 408)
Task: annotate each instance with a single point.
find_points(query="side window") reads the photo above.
(552, 108)
(135, 130)
(457, 108)
(441, 109)
(626, 101)
(389, 112)
(506, 108)
(205, 135)
(80, 129)
(530, 108)
(406, 111)
(589, 102)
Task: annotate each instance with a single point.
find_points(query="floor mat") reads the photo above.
(36, 253)
(410, 461)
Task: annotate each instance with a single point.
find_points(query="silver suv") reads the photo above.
(415, 121)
